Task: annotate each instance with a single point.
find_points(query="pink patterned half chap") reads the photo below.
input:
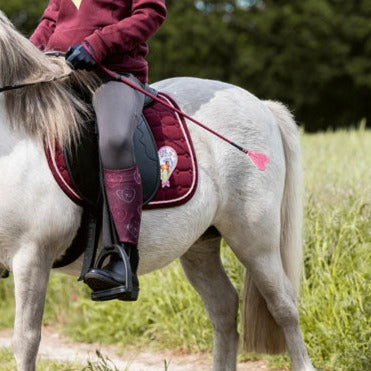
(125, 198)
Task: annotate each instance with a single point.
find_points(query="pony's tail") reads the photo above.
(261, 333)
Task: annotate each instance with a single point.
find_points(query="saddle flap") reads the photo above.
(83, 166)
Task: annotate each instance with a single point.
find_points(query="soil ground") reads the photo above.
(55, 346)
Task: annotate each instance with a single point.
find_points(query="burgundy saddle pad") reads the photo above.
(178, 165)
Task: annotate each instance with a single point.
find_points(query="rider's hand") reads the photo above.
(79, 58)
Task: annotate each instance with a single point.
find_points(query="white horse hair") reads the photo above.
(258, 213)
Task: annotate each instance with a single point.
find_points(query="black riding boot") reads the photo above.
(118, 278)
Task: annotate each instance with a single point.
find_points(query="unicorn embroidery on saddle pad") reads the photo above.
(168, 162)
(178, 166)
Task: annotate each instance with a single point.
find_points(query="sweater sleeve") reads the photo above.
(46, 27)
(146, 18)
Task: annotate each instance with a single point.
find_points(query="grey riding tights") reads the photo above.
(118, 108)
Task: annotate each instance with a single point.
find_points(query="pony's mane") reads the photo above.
(49, 110)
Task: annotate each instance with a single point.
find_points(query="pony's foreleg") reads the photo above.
(31, 267)
(204, 269)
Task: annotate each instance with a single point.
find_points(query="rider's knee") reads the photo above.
(116, 145)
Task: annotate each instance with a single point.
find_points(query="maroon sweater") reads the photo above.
(117, 30)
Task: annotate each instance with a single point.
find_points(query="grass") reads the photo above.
(335, 300)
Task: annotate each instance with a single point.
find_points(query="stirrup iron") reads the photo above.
(125, 291)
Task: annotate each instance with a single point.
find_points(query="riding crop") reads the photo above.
(258, 159)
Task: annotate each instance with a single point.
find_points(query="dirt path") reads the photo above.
(56, 347)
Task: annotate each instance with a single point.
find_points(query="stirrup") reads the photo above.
(126, 291)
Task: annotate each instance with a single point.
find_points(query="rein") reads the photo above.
(20, 86)
(260, 160)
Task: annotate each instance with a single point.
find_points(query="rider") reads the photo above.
(115, 32)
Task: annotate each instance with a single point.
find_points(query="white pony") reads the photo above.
(258, 213)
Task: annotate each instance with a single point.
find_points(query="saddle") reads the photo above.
(83, 163)
(165, 158)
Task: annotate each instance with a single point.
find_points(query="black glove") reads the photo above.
(79, 58)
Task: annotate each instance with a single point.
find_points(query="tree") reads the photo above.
(312, 55)
(25, 14)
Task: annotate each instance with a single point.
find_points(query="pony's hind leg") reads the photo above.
(257, 245)
(31, 267)
(204, 269)
(267, 274)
